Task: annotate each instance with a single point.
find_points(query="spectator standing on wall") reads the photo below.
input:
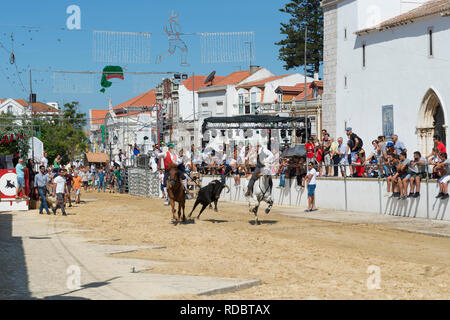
(342, 154)
(356, 144)
(309, 146)
(334, 157)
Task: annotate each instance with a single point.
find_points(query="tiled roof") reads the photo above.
(40, 107)
(93, 157)
(37, 107)
(233, 78)
(310, 90)
(98, 116)
(430, 8)
(300, 87)
(199, 82)
(261, 83)
(144, 100)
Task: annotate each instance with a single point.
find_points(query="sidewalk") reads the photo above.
(436, 228)
(37, 251)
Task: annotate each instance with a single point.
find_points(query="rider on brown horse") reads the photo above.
(172, 160)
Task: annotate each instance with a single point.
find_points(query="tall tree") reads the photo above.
(63, 134)
(303, 13)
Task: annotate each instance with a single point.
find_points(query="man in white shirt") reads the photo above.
(60, 190)
(44, 160)
(311, 179)
(264, 161)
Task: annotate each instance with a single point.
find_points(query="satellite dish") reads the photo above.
(210, 78)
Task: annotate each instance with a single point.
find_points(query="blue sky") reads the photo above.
(50, 49)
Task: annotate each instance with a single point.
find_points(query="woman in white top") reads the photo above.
(311, 179)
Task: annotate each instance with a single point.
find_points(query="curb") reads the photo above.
(231, 288)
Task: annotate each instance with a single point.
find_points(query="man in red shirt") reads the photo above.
(439, 145)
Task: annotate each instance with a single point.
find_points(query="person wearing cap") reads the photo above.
(171, 159)
(264, 160)
(355, 146)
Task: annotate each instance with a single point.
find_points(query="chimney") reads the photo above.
(254, 69)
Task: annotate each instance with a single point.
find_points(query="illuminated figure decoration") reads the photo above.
(173, 30)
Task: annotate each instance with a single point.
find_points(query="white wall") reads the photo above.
(185, 101)
(398, 72)
(292, 80)
(362, 196)
(17, 109)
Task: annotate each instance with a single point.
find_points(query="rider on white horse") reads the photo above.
(265, 159)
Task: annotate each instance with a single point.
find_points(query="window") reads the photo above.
(345, 34)
(364, 54)
(430, 42)
(345, 82)
(253, 102)
(10, 109)
(388, 120)
(241, 104)
(280, 97)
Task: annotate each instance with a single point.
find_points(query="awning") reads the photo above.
(98, 157)
(258, 122)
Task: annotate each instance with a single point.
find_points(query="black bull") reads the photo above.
(207, 195)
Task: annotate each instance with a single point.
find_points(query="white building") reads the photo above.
(20, 107)
(385, 69)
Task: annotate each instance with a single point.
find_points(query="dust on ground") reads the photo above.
(294, 258)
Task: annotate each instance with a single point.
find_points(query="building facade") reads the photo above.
(381, 69)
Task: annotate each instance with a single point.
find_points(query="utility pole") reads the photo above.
(32, 117)
(306, 85)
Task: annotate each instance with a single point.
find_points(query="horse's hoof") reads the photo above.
(267, 211)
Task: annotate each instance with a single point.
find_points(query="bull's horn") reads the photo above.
(228, 188)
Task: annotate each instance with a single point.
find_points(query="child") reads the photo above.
(283, 171)
(77, 182)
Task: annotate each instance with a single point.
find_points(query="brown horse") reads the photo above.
(175, 191)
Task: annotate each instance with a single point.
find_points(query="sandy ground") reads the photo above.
(294, 258)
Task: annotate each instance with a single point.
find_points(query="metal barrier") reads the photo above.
(143, 182)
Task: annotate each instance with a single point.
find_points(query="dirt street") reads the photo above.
(294, 258)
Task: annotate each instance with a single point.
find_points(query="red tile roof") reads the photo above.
(199, 82)
(261, 83)
(310, 90)
(37, 107)
(40, 107)
(144, 100)
(300, 87)
(430, 8)
(98, 116)
(233, 78)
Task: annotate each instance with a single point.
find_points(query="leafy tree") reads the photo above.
(303, 13)
(9, 126)
(62, 134)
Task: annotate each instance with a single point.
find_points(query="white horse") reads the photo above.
(262, 191)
